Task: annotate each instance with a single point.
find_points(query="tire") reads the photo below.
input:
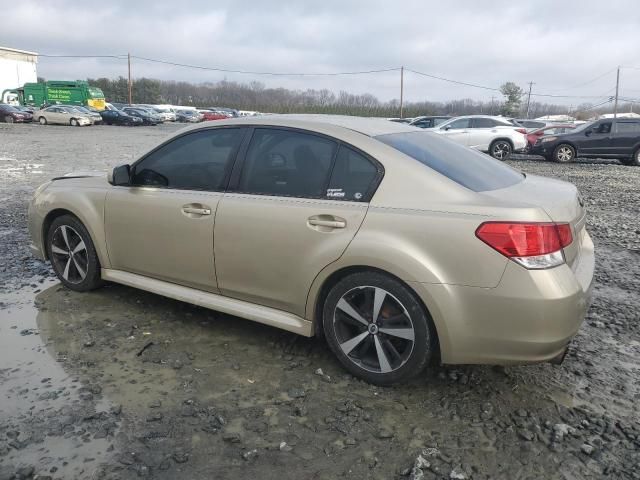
(564, 153)
(500, 149)
(42, 121)
(8, 119)
(74, 123)
(634, 161)
(80, 270)
(366, 348)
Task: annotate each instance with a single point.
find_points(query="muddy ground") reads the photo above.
(120, 384)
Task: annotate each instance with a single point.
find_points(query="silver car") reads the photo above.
(62, 115)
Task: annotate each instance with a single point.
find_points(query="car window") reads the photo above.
(467, 167)
(427, 123)
(604, 127)
(628, 127)
(458, 124)
(196, 161)
(438, 121)
(287, 163)
(352, 176)
(483, 123)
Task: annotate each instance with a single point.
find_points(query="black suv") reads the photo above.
(607, 138)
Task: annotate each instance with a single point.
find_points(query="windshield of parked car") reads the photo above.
(8, 108)
(469, 168)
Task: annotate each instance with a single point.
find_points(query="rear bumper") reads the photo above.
(530, 317)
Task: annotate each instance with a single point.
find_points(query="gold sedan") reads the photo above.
(399, 246)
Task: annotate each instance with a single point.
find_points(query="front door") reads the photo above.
(598, 142)
(298, 202)
(161, 225)
(457, 130)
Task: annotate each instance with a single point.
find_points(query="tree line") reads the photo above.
(256, 97)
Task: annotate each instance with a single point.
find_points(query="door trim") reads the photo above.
(250, 311)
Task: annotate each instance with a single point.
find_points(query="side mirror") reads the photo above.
(588, 132)
(121, 175)
(447, 128)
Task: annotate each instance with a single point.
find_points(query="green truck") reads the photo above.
(74, 92)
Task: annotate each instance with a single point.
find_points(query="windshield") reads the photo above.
(579, 128)
(439, 121)
(469, 168)
(9, 108)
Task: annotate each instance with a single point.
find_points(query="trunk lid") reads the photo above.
(560, 200)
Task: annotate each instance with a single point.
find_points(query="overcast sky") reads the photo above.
(558, 45)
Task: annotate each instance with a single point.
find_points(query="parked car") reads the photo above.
(93, 115)
(429, 121)
(606, 138)
(117, 117)
(534, 135)
(492, 135)
(208, 115)
(10, 114)
(533, 124)
(25, 108)
(189, 116)
(61, 115)
(396, 244)
(146, 117)
(401, 120)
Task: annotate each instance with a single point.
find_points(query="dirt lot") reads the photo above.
(213, 396)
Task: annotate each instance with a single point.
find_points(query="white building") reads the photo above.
(17, 67)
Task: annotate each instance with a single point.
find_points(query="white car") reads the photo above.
(492, 135)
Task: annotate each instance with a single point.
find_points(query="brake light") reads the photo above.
(532, 245)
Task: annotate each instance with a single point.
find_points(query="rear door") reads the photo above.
(294, 203)
(626, 137)
(161, 226)
(482, 133)
(598, 141)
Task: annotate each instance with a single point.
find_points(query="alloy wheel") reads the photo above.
(501, 150)
(565, 154)
(69, 254)
(373, 329)
(8, 119)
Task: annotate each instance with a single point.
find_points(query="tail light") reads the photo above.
(532, 245)
(521, 130)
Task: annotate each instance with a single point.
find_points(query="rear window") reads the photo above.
(473, 170)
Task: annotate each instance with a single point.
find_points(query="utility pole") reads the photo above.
(615, 105)
(401, 92)
(129, 68)
(529, 97)
(492, 99)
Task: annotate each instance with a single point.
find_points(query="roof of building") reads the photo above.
(15, 50)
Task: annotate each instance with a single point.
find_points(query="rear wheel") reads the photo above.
(8, 119)
(377, 328)
(564, 153)
(72, 254)
(42, 120)
(500, 149)
(634, 161)
(74, 122)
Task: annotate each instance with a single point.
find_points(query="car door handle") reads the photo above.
(327, 221)
(196, 210)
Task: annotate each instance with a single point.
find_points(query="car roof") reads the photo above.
(366, 126)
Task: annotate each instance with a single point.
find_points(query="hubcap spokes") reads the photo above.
(501, 150)
(374, 329)
(69, 254)
(564, 154)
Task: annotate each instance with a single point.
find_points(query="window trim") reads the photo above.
(234, 182)
(228, 169)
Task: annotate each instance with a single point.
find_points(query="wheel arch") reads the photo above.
(315, 303)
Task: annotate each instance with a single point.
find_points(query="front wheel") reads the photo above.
(377, 328)
(74, 122)
(564, 153)
(72, 254)
(42, 121)
(8, 119)
(500, 149)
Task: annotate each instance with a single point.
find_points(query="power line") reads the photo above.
(452, 81)
(587, 82)
(249, 72)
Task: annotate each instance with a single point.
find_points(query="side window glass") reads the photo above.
(604, 127)
(352, 176)
(628, 127)
(287, 163)
(197, 161)
(459, 124)
(483, 123)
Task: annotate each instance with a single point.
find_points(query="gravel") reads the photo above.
(215, 396)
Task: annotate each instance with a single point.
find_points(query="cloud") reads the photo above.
(555, 44)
